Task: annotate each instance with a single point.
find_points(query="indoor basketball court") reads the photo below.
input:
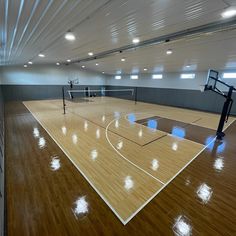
(118, 117)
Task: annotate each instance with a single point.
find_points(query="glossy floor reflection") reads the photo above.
(41, 201)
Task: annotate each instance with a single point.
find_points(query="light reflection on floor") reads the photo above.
(81, 207)
(182, 226)
(204, 193)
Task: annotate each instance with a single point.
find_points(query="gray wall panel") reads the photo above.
(38, 92)
(193, 99)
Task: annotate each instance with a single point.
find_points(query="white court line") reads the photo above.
(136, 212)
(164, 184)
(103, 198)
(108, 140)
(81, 172)
(228, 125)
(168, 134)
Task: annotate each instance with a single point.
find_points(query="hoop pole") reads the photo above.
(225, 114)
(63, 100)
(136, 95)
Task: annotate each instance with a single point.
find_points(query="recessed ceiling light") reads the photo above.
(136, 40)
(145, 69)
(228, 13)
(68, 60)
(25, 66)
(90, 53)
(188, 66)
(58, 64)
(41, 55)
(69, 36)
(103, 72)
(83, 67)
(123, 59)
(97, 64)
(169, 51)
(30, 62)
(134, 77)
(117, 77)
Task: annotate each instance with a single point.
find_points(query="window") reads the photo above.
(117, 77)
(134, 77)
(229, 75)
(157, 76)
(187, 76)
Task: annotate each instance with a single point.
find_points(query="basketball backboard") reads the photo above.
(212, 78)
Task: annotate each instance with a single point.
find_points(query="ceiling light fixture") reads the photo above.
(58, 64)
(69, 36)
(145, 69)
(97, 64)
(83, 67)
(25, 66)
(117, 77)
(228, 13)
(123, 59)
(68, 60)
(30, 62)
(41, 55)
(136, 40)
(169, 51)
(90, 53)
(103, 72)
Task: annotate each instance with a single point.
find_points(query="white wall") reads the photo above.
(48, 75)
(170, 80)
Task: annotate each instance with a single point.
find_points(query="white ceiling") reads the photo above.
(30, 27)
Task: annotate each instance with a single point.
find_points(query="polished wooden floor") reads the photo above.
(41, 200)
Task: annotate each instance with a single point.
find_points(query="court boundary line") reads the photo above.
(169, 181)
(80, 171)
(124, 222)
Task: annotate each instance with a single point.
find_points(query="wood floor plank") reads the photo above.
(124, 187)
(40, 201)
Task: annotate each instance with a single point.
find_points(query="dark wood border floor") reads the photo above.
(40, 201)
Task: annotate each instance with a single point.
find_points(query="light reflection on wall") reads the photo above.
(178, 131)
(204, 192)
